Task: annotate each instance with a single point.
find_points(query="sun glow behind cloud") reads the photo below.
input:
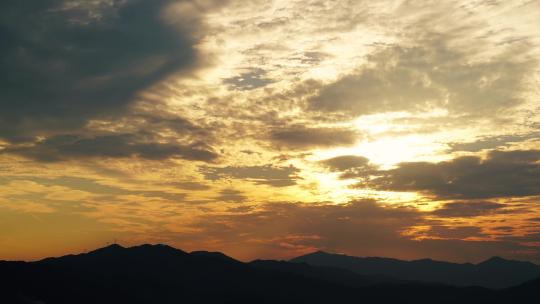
(282, 111)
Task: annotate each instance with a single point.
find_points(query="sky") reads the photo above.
(270, 129)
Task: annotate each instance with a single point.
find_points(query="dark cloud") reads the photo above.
(231, 195)
(255, 78)
(427, 75)
(169, 196)
(493, 142)
(467, 209)
(65, 62)
(454, 232)
(65, 147)
(262, 175)
(501, 174)
(351, 166)
(299, 137)
(188, 185)
(179, 125)
(507, 229)
(345, 162)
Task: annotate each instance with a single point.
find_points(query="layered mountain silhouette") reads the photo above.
(162, 274)
(493, 273)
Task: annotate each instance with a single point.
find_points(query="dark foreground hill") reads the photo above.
(493, 273)
(160, 274)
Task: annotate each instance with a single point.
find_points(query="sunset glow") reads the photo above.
(269, 129)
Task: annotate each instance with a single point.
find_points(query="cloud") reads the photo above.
(454, 232)
(345, 162)
(362, 227)
(493, 142)
(231, 195)
(188, 185)
(335, 226)
(64, 62)
(49, 191)
(261, 175)
(300, 137)
(507, 229)
(467, 209)
(250, 80)
(501, 174)
(430, 73)
(351, 166)
(65, 147)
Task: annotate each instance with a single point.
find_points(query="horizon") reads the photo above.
(111, 245)
(270, 129)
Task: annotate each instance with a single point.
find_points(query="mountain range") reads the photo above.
(495, 272)
(162, 274)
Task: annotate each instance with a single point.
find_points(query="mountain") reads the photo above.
(329, 274)
(215, 255)
(526, 292)
(162, 274)
(493, 273)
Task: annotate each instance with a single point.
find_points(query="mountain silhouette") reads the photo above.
(495, 272)
(163, 274)
(215, 255)
(329, 274)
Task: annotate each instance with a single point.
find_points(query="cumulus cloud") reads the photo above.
(501, 174)
(351, 166)
(345, 162)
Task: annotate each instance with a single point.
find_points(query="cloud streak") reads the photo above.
(299, 137)
(65, 147)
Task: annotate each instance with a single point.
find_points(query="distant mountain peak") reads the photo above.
(115, 246)
(495, 260)
(109, 248)
(499, 261)
(154, 246)
(154, 249)
(320, 252)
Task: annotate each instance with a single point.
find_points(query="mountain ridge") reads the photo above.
(495, 258)
(162, 274)
(495, 272)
